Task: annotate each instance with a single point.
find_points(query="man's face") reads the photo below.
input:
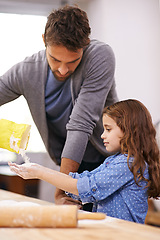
(62, 61)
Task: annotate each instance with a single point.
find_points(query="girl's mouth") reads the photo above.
(106, 143)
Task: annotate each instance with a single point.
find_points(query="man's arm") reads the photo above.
(97, 66)
(67, 165)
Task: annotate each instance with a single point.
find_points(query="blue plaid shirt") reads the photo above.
(112, 190)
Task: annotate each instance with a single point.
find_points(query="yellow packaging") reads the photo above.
(14, 136)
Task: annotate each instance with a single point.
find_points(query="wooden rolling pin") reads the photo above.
(44, 216)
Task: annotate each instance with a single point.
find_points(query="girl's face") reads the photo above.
(112, 134)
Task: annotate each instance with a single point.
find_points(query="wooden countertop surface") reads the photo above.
(109, 228)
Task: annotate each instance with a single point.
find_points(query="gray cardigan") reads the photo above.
(92, 88)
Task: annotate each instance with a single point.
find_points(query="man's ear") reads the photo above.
(43, 39)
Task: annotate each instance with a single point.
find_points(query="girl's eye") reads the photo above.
(108, 129)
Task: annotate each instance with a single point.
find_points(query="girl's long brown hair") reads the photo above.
(139, 141)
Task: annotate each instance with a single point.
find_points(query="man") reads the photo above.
(66, 87)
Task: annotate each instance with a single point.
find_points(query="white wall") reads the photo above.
(22, 36)
(132, 29)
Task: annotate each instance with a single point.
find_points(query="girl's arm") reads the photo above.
(58, 179)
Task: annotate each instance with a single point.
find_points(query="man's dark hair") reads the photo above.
(67, 26)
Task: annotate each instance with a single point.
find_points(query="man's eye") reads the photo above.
(55, 60)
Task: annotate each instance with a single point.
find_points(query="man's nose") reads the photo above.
(63, 69)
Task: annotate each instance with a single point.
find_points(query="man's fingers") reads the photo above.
(69, 201)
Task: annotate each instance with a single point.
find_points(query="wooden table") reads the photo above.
(109, 228)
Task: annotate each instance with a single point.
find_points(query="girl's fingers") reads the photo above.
(18, 171)
(26, 170)
(12, 164)
(14, 169)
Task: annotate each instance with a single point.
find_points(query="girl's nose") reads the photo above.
(102, 136)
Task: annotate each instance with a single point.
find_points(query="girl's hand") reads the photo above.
(26, 170)
(58, 179)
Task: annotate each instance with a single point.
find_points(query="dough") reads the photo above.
(14, 203)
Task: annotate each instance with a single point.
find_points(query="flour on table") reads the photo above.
(16, 203)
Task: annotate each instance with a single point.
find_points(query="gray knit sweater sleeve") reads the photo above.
(93, 87)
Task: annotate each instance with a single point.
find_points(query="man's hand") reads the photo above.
(67, 165)
(62, 198)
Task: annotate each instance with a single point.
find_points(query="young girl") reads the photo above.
(120, 187)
